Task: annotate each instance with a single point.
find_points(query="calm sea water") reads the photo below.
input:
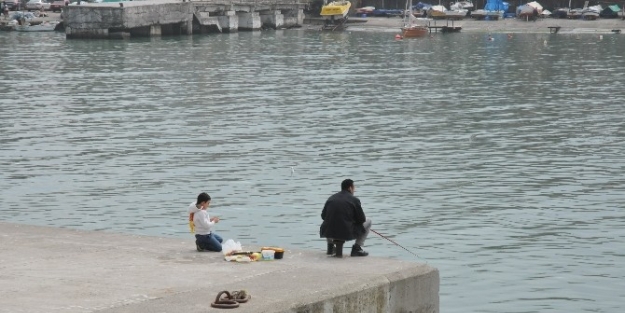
(498, 162)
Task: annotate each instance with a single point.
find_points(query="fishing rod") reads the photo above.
(395, 243)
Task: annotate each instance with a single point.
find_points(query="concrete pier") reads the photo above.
(46, 269)
(175, 17)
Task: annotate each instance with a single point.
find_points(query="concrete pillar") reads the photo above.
(155, 30)
(186, 28)
(273, 19)
(229, 21)
(249, 21)
(88, 33)
(293, 18)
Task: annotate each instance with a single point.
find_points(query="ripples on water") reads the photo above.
(499, 162)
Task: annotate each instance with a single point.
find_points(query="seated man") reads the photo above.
(344, 220)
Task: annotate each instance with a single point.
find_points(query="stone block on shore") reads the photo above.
(47, 269)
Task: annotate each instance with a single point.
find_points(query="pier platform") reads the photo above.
(44, 269)
(449, 26)
(178, 17)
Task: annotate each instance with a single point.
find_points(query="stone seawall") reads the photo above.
(174, 17)
(46, 269)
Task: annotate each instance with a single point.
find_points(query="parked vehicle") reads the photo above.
(388, 12)
(365, 10)
(58, 5)
(13, 5)
(34, 5)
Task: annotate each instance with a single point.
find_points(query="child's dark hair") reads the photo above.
(203, 197)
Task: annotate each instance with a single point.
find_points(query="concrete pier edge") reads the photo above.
(151, 18)
(45, 269)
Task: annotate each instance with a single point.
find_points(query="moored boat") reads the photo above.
(560, 13)
(411, 29)
(493, 10)
(468, 5)
(461, 6)
(611, 11)
(529, 11)
(574, 13)
(335, 14)
(456, 14)
(437, 12)
(478, 14)
(591, 12)
(525, 12)
(335, 9)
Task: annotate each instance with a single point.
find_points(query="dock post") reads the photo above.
(249, 21)
(273, 19)
(229, 21)
(155, 30)
(293, 17)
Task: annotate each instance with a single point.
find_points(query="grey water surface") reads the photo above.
(498, 162)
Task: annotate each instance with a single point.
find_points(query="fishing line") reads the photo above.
(395, 243)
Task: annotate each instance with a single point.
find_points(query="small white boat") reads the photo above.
(437, 12)
(592, 12)
(484, 14)
(468, 5)
(456, 14)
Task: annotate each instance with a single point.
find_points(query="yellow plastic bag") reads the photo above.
(191, 225)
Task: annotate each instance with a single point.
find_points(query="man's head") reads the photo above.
(203, 200)
(348, 185)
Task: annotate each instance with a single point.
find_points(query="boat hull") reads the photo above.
(590, 15)
(482, 14)
(456, 14)
(414, 31)
(336, 9)
(437, 15)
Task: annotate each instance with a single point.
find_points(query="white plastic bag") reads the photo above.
(231, 246)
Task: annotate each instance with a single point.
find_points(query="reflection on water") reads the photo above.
(499, 162)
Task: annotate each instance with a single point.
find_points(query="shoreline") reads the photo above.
(469, 25)
(508, 25)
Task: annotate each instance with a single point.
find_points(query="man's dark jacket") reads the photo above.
(342, 217)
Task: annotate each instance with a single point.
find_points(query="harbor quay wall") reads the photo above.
(176, 17)
(47, 269)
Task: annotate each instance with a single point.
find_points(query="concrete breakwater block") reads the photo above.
(45, 269)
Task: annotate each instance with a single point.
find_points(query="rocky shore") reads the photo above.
(508, 25)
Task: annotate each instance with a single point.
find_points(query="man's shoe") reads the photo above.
(357, 251)
(330, 250)
(198, 248)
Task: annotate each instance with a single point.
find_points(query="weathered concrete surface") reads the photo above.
(59, 270)
(173, 17)
(138, 17)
